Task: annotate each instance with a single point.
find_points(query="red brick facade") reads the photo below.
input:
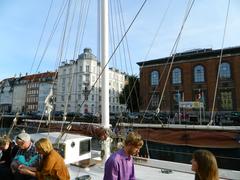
(228, 89)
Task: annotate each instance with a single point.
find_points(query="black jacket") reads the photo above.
(9, 154)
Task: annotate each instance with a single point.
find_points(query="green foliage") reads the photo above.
(130, 94)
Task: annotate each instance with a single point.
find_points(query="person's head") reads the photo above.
(133, 143)
(205, 165)
(44, 146)
(23, 140)
(4, 143)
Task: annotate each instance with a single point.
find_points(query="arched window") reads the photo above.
(199, 74)
(225, 71)
(154, 78)
(176, 76)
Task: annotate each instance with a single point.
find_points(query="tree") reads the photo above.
(130, 94)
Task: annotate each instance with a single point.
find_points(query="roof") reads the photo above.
(87, 54)
(53, 136)
(38, 76)
(193, 54)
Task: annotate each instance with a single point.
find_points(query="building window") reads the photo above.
(154, 78)
(154, 101)
(87, 78)
(87, 68)
(199, 74)
(176, 76)
(225, 71)
(176, 98)
(226, 100)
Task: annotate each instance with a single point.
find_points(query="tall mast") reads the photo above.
(105, 77)
(104, 59)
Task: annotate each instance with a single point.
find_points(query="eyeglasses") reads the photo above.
(20, 138)
(19, 141)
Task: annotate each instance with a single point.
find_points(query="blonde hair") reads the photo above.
(4, 140)
(207, 165)
(133, 138)
(44, 145)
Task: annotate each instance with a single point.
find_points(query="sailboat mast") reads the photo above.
(105, 77)
(104, 60)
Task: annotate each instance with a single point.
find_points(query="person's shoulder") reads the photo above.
(14, 147)
(53, 154)
(32, 147)
(117, 155)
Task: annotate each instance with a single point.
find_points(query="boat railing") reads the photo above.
(180, 126)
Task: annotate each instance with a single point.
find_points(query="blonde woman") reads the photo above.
(53, 166)
(204, 164)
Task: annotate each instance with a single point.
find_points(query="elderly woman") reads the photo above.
(204, 164)
(53, 166)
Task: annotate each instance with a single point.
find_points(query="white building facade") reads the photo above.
(44, 90)
(19, 97)
(79, 86)
(6, 94)
(26, 93)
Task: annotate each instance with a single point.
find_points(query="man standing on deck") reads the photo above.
(119, 165)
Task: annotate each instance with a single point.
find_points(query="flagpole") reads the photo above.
(199, 99)
(184, 112)
(200, 113)
(203, 105)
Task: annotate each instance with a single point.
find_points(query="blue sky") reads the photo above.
(21, 24)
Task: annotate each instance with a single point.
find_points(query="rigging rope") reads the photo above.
(150, 48)
(125, 60)
(74, 69)
(41, 36)
(67, 4)
(219, 65)
(33, 77)
(173, 52)
(113, 53)
(92, 88)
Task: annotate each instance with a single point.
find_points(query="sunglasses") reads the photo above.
(18, 138)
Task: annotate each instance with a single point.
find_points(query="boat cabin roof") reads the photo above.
(53, 136)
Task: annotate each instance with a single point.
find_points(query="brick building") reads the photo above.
(37, 88)
(192, 77)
